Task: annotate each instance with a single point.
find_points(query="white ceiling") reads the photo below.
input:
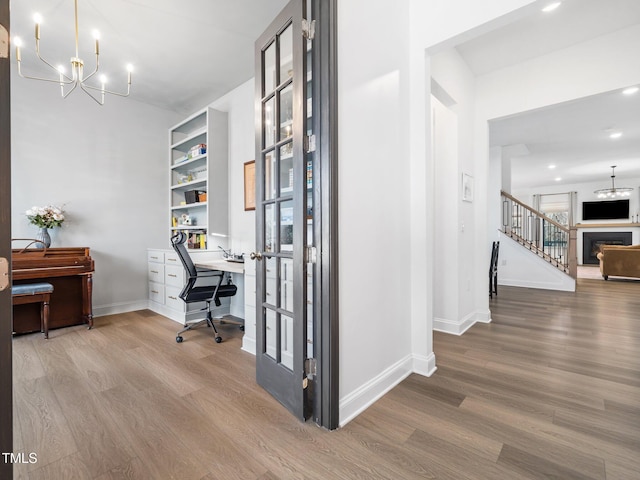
(185, 53)
(574, 136)
(571, 135)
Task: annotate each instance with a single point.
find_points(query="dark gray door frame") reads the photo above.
(325, 101)
(6, 323)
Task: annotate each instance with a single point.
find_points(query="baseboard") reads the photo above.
(425, 366)
(458, 327)
(454, 327)
(483, 317)
(116, 308)
(166, 312)
(570, 286)
(359, 400)
(182, 317)
(249, 345)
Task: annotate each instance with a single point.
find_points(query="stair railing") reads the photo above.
(545, 237)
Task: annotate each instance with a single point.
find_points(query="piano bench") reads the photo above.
(39, 292)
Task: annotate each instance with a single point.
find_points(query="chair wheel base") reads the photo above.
(179, 339)
(218, 339)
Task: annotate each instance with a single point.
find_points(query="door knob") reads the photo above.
(256, 256)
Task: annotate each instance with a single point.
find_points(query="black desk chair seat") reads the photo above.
(192, 293)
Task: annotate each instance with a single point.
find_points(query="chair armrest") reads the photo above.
(207, 272)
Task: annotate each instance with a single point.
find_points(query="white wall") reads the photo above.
(447, 242)
(107, 166)
(387, 186)
(455, 219)
(374, 198)
(518, 267)
(239, 104)
(588, 68)
(435, 26)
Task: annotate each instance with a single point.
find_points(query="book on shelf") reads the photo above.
(196, 239)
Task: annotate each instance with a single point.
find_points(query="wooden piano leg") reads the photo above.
(87, 304)
(45, 315)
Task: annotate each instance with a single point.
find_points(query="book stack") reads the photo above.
(196, 239)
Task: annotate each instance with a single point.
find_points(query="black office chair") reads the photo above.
(493, 270)
(192, 293)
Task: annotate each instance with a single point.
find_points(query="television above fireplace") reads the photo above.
(605, 210)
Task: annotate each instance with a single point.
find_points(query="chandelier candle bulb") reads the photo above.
(61, 72)
(38, 19)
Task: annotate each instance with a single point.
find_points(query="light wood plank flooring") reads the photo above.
(550, 389)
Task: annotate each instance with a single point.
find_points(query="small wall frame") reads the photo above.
(250, 185)
(467, 187)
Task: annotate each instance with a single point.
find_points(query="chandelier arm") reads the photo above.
(69, 82)
(85, 90)
(51, 66)
(75, 85)
(110, 91)
(94, 71)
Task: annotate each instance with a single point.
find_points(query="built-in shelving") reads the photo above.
(198, 169)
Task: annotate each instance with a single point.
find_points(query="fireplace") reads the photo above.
(591, 242)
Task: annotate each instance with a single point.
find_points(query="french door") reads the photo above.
(282, 211)
(6, 408)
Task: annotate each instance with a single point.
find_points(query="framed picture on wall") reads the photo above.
(250, 185)
(467, 187)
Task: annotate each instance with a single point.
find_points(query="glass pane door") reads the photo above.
(281, 210)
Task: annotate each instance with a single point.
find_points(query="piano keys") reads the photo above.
(70, 271)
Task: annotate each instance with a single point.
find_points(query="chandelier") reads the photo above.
(68, 83)
(614, 191)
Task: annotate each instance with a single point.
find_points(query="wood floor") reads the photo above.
(550, 389)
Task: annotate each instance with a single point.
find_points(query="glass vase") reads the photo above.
(44, 237)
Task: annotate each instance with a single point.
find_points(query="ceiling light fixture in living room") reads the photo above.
(613, 192)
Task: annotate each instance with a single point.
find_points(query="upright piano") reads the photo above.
(70, 271)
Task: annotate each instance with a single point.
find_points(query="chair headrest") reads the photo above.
(179, 238)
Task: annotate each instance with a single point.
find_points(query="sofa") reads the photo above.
(619, 260)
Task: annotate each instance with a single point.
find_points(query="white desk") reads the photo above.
(222, 265)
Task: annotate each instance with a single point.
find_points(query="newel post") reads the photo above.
(573, 252)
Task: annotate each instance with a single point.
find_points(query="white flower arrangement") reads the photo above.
(45, 217)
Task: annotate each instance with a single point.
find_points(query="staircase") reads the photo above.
(545, 237)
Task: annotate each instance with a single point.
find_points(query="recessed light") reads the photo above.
(551, 7)
(615, 135)
(551, 167)
(630, 90)
(558, 179)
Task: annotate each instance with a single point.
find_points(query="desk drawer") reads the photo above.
(155, 256)
(171, 258)
(174, 275)
(172, 300)
(156, 292)
(156, 272)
